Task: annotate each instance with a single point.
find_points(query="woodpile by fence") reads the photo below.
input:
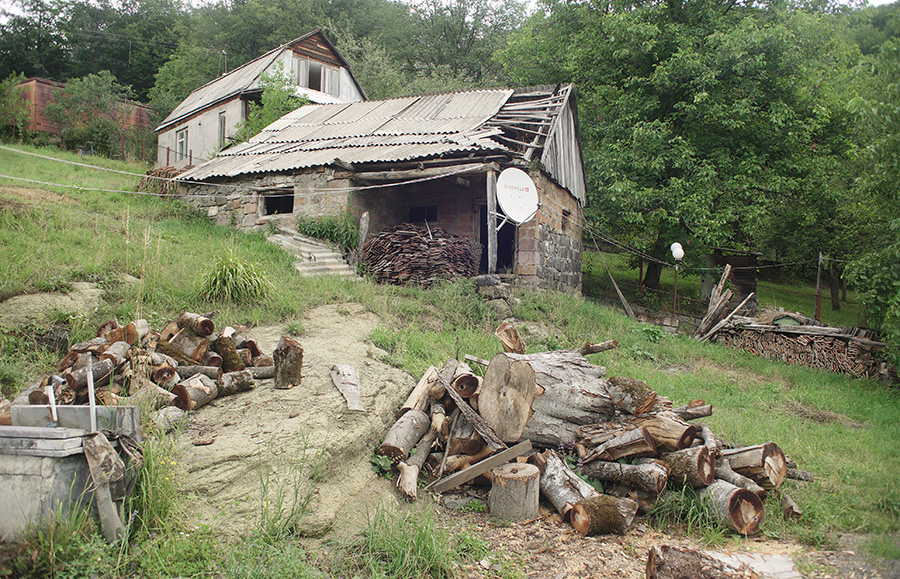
(419, 254)
(560, 413)
(179, 368)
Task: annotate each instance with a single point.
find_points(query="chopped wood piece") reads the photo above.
(262, 372)
(484, 429)
(464, 438)
(514, 492)
(346, 380)
(560, 484)
(673, 562)
(478, 469)
(634, 442)
(231, 360)
(726, 473)
(420, 396)
(693, 412)
(439, 423)
(164, 347)
(763, 463)
(690, 467)
(668, 430)
(603, 515)
(101, 372)
(795, 474)
(457, 462)
(236, 382)
(709, 441)
(597, 348)
(195, 392)
(736, 508)
(464, 381)
(509, 337)
(200, 325)
(650, 476)
(213, 372)
(117, 353)
(404, 434)
(789, 509)
(408, 482)
(190, 344)
(630, 395)
(288, 356)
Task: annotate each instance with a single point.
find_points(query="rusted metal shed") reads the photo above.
(427, 158)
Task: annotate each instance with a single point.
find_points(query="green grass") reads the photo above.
(845, 431)
(799, 296)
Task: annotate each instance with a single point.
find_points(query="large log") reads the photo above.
(195, 392)
(404, 434)
(634, 442)
(544, 397)
(288, 356)
(514, 492)
(231, 360)
(764, 463)
(735, 508)
(560, 484)
(726, 473)
(630, 395)
(603, 515)
(650, 476)
(668, 430)
(190, 344)
(690, 467)
(676, 562)
(199, 324)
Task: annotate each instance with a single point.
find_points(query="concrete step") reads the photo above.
(313, 256)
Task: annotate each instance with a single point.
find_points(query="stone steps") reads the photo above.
(313, 256)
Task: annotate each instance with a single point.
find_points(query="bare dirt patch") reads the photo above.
(21, 198)
(822, 416)
(35, 308)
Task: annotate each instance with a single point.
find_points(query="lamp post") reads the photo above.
(677, 253)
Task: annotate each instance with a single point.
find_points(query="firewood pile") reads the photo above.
(419, 254)
(534, 422)
(180, 368)
(803, 341)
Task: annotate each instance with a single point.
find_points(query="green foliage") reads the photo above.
(278, 99)
(13, 107)
(475, 506)
(233, 279)
(340, 229)
(381, 465)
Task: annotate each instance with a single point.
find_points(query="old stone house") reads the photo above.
(202, 124)
(430, 158)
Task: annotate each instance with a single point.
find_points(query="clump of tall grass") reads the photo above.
(340, 228)
(232, 279)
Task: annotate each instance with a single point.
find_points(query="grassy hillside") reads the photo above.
(845, 431)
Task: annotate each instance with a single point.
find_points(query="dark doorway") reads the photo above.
(506, 242)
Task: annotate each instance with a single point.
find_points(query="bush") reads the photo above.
(340, 229)
(233, 280)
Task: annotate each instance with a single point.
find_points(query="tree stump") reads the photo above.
(288, 356)
(514, 492)
(603, 515)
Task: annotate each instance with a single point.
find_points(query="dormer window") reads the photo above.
(316, 75)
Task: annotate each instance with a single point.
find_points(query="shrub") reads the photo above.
(234, 280)
(340, 229)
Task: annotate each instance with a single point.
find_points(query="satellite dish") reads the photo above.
(517, 195)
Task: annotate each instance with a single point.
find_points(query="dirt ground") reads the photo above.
(242, 455)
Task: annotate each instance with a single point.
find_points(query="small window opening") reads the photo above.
(423, 213)
(566, 215)
(315, 75)
(278, 202)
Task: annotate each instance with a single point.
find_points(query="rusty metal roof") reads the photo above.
(399, 129)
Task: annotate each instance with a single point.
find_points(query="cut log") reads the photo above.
(95, 345)
(165, 376)
(560, 484)
(481, 426)
(634, 442)
(461, 461)
(262, 372)
(734, 507)
(668, 430)
(726, 473)
(236, 382)
(196, 391)
(288, 356)
(420, 396)
(673, 562)
(404, 435)
(117, 352)
(603, 515)
(514, 492)
(211, 371)
(630, 395)
(408, 482)
(764, 463)
(149, 396)
(231, 360)
(439, 423)
(690, 467)
(693, 412)
(346, 380)
(650, 476)
(141, 330)
(101, 372)
(597, 348)
(796, 474)
(790, 510)
(464, 439)
(464, 381)
(213, 359)
(709, 440)
(164, 347)
(199, 324)
(509, 337)
(190, 344)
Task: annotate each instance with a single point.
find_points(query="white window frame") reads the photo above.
(181, 144)
(222, 129)
(331, 80)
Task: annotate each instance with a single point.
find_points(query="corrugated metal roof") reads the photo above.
(392, 130)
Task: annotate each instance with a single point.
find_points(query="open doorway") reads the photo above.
(506, 242)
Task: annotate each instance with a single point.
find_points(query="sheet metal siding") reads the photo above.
(562, 154)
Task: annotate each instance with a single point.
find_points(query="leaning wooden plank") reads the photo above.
(479, 468)
(487, 433)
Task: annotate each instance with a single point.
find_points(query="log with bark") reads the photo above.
(236, 382)
(196, 391)
(677, 562)
(408, 481)
(514, 492)
(457, 462)
(630, 395)
(464, 439)
(668, 430)
(190, 344)
(231, 360)
(764, 463)
(734, 507)
(603, 515)
(790, 510)
(690, 467)
(726, 473)
(420, 397)
(262, 372)
(199, 324)
(213, 372)
(634, 442)
(562, 487)
(404, 434)
(164, 347)
(288, 357)
(464, 381)
(101, 372)
(650, 476)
